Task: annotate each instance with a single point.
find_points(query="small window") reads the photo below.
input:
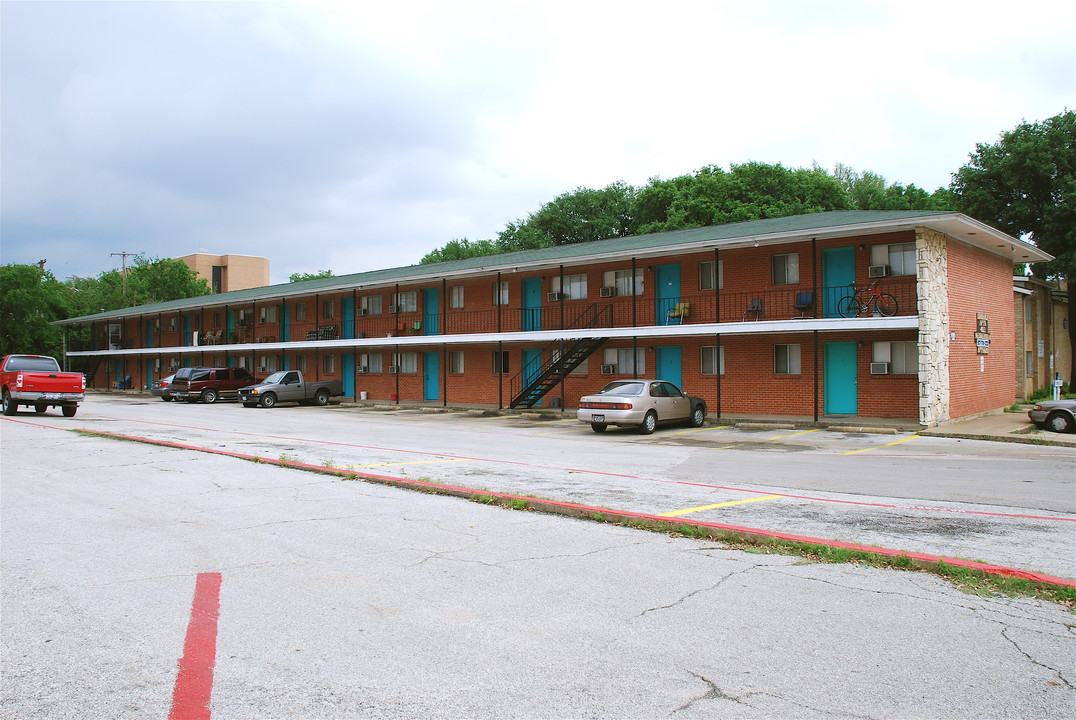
(708, 279)
(786, 359)
(500, 293)
(1029, 363)
(708, 354)
(405, 362)
(580, 369)
(328, 364)
(575, 286)
(328, 309)
(500, 362)
(300, 312)
(299, 362)
(370, 304)
(372, 362)
(903, 357)
(622, 281)
(455, 361)
(625, 361)
(455, 297)
(267, 314)
(406, 302)
(900, 257)
(786, 269)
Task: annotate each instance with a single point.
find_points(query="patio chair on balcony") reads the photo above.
(754, 307)
(804, 302)
(678, 313)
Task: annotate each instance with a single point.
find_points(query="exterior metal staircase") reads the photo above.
(538, 378)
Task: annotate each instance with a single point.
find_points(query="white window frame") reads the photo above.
(900, 257)
(785, 268)
(298, 362)
(372, 362)
(371, 304)
(267, 314)
(300, 312)
(502, 363)
(621, 280)
(786, 359)
(328, 309)
(706, 359)
(706, 275)
(455, 362)
(902, 356)
(575, 286)
(406, 363)
(455, 297)
(406, 301)
(328, 363)
(500, 293)
(580, 369)
(621, 358)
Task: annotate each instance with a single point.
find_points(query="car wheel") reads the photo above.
(649, 423)
(321, 397)
(39, 408)
(209, 396)
(165, 398)
(698, 416)
(268, 400)
(598, 427)
(1059, 422)
(69, 410)
(10, 406)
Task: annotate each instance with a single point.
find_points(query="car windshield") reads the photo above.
(622, 387)
(275, 377)
(33, 364)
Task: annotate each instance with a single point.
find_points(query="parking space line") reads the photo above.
(879, 447)
(801, 432)
(695, 430)
(677, 513)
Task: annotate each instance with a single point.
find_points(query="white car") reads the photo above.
(1056, 415)
(642, 404)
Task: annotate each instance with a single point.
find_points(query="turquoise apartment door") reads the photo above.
(841, 393)
(431, 309)
(669, 365)
(838, 271)
(666, 291)
(431, 374)
(347, 317)
(532, 304)
(347, 367)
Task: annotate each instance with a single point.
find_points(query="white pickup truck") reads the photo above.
(289, 386)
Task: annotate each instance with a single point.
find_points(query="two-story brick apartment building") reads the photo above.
(747, 315)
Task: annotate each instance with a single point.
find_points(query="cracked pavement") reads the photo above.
(341, 599)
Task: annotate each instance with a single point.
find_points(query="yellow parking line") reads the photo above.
(414, 462)
(801, 432)
(879, 447)
(675, 513)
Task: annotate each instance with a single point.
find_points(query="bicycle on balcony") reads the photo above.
(867, 300)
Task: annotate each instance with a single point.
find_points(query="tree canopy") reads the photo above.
(300, 276)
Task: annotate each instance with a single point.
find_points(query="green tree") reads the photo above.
(582, 215)
(299, 276)
(1025, 184)
(30, 299)
(751, 191)
(870, 191)
(461, 249)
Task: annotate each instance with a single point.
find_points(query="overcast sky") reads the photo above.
(356, 136)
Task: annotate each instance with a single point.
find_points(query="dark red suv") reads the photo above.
(209, 384)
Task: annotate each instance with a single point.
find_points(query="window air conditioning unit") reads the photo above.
(261, 369)
(393, 309)
(362, 369)
(261, 321)
(394, 369)
(879, 368)
(361, 311)
(607, 292)
(608, 369)
(555, 296)
(878, 271)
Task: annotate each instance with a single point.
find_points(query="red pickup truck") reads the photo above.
(37, 380)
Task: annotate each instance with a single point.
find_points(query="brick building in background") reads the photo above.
(1042, 334)
(750, 316)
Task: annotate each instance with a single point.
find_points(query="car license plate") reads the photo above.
(50, 396)
(597, 418)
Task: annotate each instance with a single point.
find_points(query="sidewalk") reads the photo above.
(1003, 426)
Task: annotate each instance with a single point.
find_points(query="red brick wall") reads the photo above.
(980, 283)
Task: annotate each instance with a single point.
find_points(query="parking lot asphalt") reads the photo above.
(333, 599)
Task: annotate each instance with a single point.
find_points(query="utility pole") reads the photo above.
(124, 255)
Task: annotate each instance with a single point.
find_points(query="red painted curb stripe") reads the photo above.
(926, 557)
(194, 681)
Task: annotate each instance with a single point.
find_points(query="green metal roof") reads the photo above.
(716, 235)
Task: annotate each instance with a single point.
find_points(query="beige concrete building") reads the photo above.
(225, 273)
(1042, 334)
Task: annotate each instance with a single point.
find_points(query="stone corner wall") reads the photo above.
(932, 291)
